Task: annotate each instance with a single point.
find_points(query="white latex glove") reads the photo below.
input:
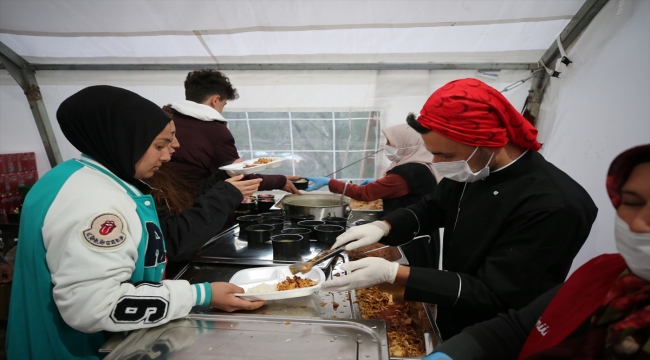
(364, 235)
(366, 272)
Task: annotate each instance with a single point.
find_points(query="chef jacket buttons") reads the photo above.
(147, 203)
(495, 193)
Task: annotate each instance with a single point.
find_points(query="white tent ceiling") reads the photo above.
(282, 31)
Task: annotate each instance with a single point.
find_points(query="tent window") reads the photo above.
(316, 143)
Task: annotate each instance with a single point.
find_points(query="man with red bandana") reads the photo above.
(512, 221)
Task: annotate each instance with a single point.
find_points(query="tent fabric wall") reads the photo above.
(393, 93)
(599, 107)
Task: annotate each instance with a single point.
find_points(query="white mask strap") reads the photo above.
(475, 150)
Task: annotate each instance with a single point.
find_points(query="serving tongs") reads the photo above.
(377, 249)
(305, 267)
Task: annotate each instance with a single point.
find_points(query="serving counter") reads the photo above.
(324, 325)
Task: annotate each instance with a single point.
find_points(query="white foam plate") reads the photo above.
(239, 169)
(277, 161)
(272, 275)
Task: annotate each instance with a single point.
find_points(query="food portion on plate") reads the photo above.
(276, 282)
(262, 161)
(262, 288)
(269, 162)
(366, 205)
(287, 284)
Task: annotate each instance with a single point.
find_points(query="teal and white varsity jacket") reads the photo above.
(90, 259)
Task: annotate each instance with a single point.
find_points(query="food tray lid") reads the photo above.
(240, 336)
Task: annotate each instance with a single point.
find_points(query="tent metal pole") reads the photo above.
(24, 74)
(574, 28)
(293, 66)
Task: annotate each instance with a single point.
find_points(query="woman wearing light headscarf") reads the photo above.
(602, 311)
(409, 177)
(91, 256)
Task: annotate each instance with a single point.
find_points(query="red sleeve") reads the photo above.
(388, 187)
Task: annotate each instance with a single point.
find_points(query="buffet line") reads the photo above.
(372, 323)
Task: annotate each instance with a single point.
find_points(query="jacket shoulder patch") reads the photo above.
(105, 232)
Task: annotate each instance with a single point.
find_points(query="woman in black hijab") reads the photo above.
(92, 257)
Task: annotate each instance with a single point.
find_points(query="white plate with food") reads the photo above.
(263, 283)
(270, 162)
(243, 168)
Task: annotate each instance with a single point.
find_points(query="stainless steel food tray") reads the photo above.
(324, 304)
(367, 215)
(241, 336)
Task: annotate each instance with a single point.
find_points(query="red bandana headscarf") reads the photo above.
(473, 113)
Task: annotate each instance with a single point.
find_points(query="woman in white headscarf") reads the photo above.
(409, 177)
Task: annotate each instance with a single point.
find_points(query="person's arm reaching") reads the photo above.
(275, 182)
(389, 187)
(185, 234)
(92, 286)
(245, 187)
(498, 338)
(528, 246)
(421, 218)
(401, 225)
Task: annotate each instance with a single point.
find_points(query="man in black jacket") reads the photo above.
(512, 221)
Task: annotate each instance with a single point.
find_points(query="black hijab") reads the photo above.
(112, 125)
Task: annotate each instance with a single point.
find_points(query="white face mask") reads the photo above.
(391, 153)
(634, 247)
(460, 170)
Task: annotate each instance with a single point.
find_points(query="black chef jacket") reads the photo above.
(511, 237)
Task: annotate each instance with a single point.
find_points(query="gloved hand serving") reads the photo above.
(364, 235)
(317, 182)
(367, 181)
(365, 272)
